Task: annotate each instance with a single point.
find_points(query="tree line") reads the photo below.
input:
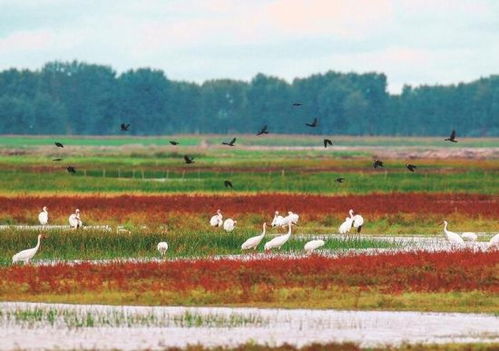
(89, 99)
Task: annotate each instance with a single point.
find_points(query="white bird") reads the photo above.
(313, 244)
(452, 237)
(494, 242)
(229, 224)
(278, 220)
(468, 236)
(278, 241)
(253, 242)
(26, 255)
(345, 226)
(293, 217)
(217, 220)
(357, 221)
(162, 247)
(43, 217)
(74, 220)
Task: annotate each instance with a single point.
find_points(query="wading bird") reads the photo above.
(313, 124)
(228, 184)
(410, 167)
(58, 144)
(230, 143)
(494, 242)
(328, 142)
(469, 236)
(217, 220)
(278, 241)
(229, 224)
(26, 255)
(124, 127)
(74, 220)
(452, 237)
(452, 137)
(377, 163)
(71, 169)
(162, 247)
(357, 221)
(43, 217)
(345, 226)
(278, 220)
(173, 142)
(312, 245)
(264, 130)
(253, 242)
(188, 159)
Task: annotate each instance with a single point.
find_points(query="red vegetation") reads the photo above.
(388, 273)
(158, 207)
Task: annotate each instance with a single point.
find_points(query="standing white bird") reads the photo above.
(278, 241)
(278, 220)
(494, 242)
(43, 217)
(345, 226)
(26, 255)
(162, 247)
(217, 220)
(357, 221)
(253, 242)
(229, 224)
(313, 244)
(293, 217)
(468, 236)
(74, 220)
(452, 237)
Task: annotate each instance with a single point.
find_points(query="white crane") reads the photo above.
(469, 236)
(74, 220)
(229, 224)
(312, 245)
(253, 242)
(217, 220)
(162, 247)
(293, 217)
(43, 217)
(278, 220)
(278, 241)
(452, 237)
(345, 226)
(26, 255)
(494, 242)
(357, 221)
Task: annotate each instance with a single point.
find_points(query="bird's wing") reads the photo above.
(453, 134)
(233, 141)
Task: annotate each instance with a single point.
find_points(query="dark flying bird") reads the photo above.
(313, 124)
(264, 130)
(410, 167)
(228, 184)
(124, 127)
(340, 180)
(230, 143)
(452, 137)
(58, 144)
(377, 164)
(297, 104)
(188, 159)
(71, 169)
(57, 159)
(173, 142)
(327, 142)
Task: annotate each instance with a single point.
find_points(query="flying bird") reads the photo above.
(264, 130)
(228, 184)
(71, 169)
(340, 179)
(377, 163)
(327, 142)
(296, 104)
(188, 159)
(57, 159)
(313, 124)
(230, 143)
(410, 167)
(58, 144)
(452, 137)
(124, 127)
(173, 142)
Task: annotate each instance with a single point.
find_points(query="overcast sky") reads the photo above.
(412, 41)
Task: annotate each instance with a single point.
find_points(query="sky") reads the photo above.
(412, 41)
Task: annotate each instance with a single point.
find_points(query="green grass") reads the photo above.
(92, 244)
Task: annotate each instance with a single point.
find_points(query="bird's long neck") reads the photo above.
(351, 213)
(38, 243)
(289, 230)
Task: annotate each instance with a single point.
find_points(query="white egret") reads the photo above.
(278, 241)
(43, 217)
(253, 242)
(313, 244)
(27, 254)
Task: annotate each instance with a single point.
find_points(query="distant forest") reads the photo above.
(81, 98)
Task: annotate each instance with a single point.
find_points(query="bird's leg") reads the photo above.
(359, 229)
